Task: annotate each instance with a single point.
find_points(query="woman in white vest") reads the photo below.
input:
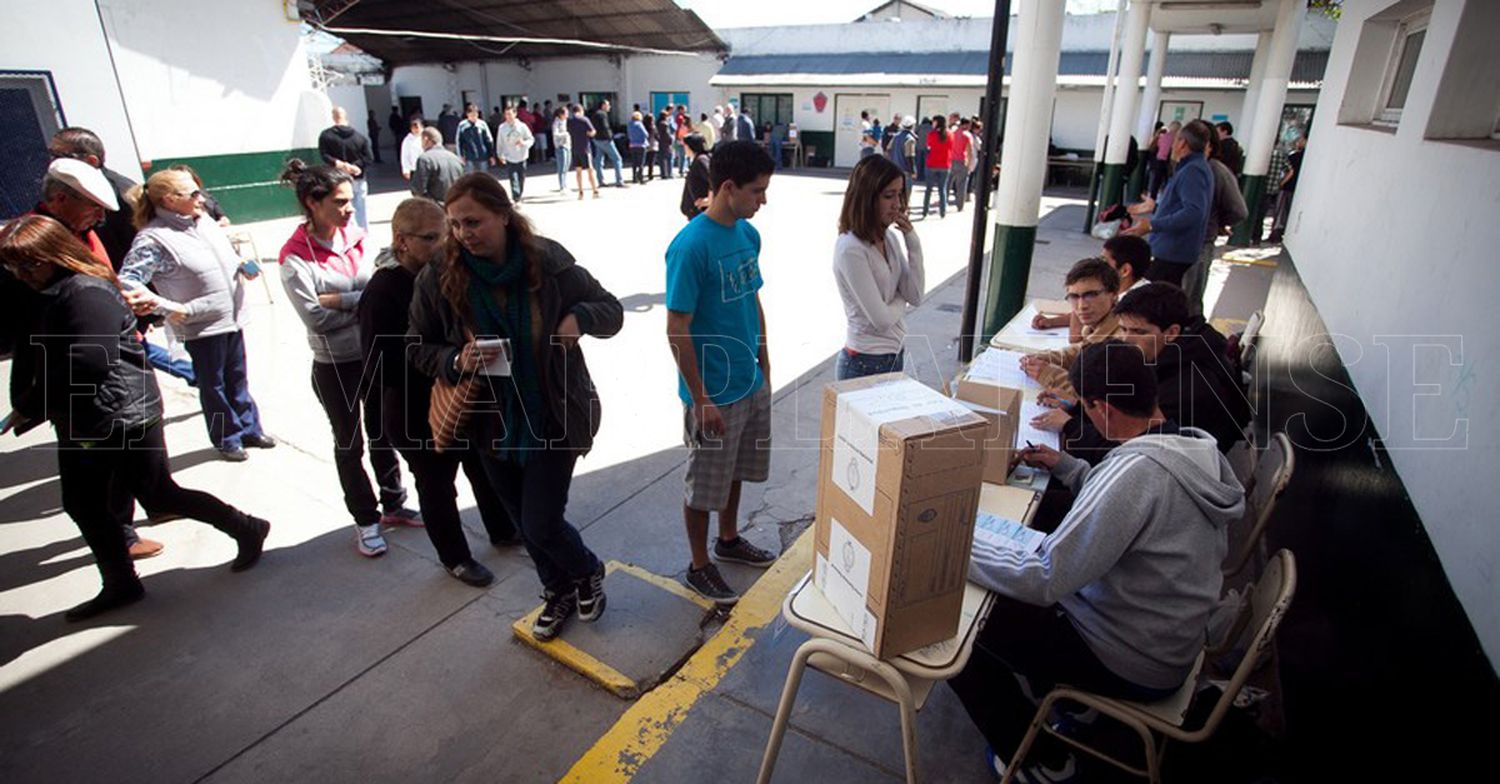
(199, 286)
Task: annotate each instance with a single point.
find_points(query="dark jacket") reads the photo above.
(117, 231)
(1195, 387)
(346, 144)
(405, 393)
(1181, 216)
(1232, 155)
(89, 373)
(573, 403)
(696, 186)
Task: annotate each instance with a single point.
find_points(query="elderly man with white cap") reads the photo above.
(77, 195)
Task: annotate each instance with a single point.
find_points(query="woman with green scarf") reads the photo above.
(502, 280)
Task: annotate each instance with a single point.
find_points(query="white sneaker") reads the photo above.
(368, 540)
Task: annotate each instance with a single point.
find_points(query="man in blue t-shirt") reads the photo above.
(716, 328)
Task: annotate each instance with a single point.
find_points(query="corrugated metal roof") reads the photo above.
(402, 32)
(1307, 68)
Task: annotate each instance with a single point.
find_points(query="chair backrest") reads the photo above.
(1273, 471)
(1268, 604)
(1248, 340)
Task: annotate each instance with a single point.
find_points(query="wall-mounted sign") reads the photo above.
(820, 102)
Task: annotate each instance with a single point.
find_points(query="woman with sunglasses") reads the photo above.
(324, 273)
(501, 281)
(199, 286)
(86, 373)
(876, 277)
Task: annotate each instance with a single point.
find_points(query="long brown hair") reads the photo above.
(486, 191)
(38, 238)
(860, 216)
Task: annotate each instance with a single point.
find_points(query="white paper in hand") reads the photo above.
(500, 365)
(1006, 534)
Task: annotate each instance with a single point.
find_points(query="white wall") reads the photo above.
(1395, 237)
(195, 85)
(85, 82)
(634, 80)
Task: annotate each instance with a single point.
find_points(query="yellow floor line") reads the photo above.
(643, 729)
(665, 583)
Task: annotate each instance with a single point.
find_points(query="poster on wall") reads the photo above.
(1180, 111)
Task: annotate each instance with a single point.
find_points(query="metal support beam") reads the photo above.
(999, 30)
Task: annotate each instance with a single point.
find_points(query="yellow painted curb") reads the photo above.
(643, 729)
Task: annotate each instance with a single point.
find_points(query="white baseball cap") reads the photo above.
(86, 180)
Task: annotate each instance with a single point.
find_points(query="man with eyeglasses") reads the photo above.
(1092, 285)
(78, 196)
(199, 285)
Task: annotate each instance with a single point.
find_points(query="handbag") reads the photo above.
(449, 410)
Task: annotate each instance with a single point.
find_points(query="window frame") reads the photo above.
(1411, 25)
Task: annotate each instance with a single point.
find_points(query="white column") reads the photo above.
(1106, 107)
(1028, 114)
(1245, 122)
(1132, 51)
(1152, 96)
(1273, 87)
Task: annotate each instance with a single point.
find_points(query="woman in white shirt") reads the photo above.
(877, 278)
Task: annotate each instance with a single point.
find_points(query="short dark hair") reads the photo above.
(80, 140)
(1160, 304)
(740, 162)
(1132, 250)
(1193, 137)
(1210, 137)
(1226, 127)
(696, 143)
(1094, 269)
(1115, 372)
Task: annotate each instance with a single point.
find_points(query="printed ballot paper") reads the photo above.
(898, 486)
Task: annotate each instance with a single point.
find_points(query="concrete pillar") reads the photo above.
(1023, 159)
(1106, 109)
(1267, 115)
(1245, 121)
(1150, 100)
(1132, 52)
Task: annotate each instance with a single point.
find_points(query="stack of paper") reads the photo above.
(1006, 534)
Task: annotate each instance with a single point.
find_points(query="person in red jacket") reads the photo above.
(939, 155)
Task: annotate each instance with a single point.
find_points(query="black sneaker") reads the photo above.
(233, 454)
(472, 572)
(707, 582)
(554, 614)
(741, 551)
(591, 596)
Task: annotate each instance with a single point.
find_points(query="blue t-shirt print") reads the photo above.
(713, 272)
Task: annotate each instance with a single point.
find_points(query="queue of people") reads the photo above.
(459, 348)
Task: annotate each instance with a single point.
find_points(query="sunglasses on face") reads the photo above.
(1084, 296)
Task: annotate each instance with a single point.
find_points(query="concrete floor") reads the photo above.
(320, 664)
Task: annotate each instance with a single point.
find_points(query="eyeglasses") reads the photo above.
(77, 156)
(1083, 296)
(190, 194)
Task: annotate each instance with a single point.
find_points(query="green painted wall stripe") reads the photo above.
(1137, 182)
(1113, 185)
(1010, 269)
(822, 140)
(1248, 230)
(246, 184)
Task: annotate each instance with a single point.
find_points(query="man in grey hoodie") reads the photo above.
(1117, 599)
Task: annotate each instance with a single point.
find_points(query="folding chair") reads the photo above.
(239, 239)
(1269, 603)
(1273, 471)
(1243, 456)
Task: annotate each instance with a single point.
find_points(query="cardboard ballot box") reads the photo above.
(898, 487)
(1001, 408)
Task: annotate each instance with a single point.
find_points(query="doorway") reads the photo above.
(847, 128)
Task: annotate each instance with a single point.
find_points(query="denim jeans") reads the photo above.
(224, 389)
(854, 365)
(535, 496)
(517, 174)
(162, 360)
(936, 178)
(607, 149)
(476, 166)
(361, 190)
(564, 162)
